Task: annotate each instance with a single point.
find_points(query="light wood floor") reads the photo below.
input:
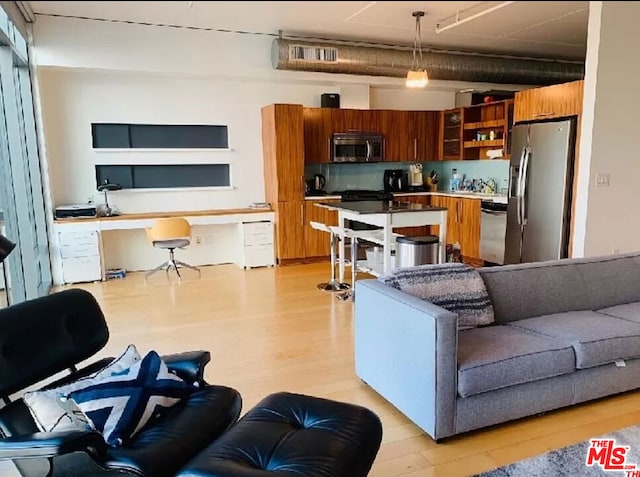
(270, 330)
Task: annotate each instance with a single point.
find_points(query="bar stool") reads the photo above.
(352, 235)
(333, 285)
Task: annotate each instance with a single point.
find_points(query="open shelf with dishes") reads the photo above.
(486, 130)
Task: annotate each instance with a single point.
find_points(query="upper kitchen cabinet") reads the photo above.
(486, 130)
(398, 136)
(317, 135)
(450, 136)
(283, 152)
(347, 120)
(424, 127)
(556, 101)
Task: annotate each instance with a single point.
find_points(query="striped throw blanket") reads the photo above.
(453, 286)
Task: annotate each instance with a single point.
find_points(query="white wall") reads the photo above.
(607, 217)
(72, 99)
(411, 99)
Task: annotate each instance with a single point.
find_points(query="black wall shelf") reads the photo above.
(162, 176)
(158, 136)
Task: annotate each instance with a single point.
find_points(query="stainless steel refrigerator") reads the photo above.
(540, 188)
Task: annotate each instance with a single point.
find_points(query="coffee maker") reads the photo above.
(395, 180)
(415, 175)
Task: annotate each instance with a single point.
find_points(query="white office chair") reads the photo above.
(170, 234)
(333, 285)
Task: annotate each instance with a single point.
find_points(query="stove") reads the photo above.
(357, 195)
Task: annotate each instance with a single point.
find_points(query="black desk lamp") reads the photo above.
(6, 247)
(107, 210)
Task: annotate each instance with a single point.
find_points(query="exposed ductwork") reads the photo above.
(328, 57)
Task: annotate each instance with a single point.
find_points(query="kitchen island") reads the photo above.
(388, 215)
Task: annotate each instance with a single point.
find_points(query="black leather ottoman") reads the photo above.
(292, 435)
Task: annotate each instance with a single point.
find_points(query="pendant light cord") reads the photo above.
(417, 43)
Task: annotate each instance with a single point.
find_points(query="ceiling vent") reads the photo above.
(313, 54)
(395, 62)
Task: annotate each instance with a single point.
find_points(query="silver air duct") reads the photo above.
(327, 57)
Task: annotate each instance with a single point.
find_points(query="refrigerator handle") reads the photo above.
(525, 177)
(519, 187)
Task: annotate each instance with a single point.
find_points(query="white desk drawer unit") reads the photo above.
(80, 256)
(258, 247)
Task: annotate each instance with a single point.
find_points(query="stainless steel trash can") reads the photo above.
(412, 251)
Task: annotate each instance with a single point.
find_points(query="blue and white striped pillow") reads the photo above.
(121, 404)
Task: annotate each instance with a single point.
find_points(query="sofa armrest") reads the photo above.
(51, 444)
(188, 365)
(406, 349)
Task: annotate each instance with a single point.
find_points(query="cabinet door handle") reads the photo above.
(542, 115)
(415, 148)
(302, 214)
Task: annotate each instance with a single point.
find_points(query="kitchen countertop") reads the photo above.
(467, 195)
(382, 207)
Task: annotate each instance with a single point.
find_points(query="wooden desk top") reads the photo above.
(162, 215)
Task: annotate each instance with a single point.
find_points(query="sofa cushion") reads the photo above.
(596, 338)
(512, 288)
(611, 280)
(495, 357)
(456, 287)
(629, 311)
(596, 282)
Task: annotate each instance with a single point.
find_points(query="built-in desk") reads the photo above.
(78, 247)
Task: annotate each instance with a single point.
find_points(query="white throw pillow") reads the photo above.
(51, 409)
(52, 412)
(128, 358)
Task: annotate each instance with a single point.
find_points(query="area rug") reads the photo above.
(623, 454)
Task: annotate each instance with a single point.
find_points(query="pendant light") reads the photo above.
(417, 76)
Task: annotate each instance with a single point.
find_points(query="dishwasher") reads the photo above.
(493, 229)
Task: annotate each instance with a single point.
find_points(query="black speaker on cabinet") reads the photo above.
(330, 100)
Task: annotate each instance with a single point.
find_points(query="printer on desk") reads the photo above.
(75, 210)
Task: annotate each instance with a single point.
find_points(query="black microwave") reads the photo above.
(357, 147)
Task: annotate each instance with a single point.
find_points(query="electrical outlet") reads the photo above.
(197, 240)
(602, 179)
(615, 251)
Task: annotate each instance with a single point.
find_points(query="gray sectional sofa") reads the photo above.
(565, 332)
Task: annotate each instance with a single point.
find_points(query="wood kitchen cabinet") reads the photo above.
(453, 228)
(347, 120)
(317, 135)
(283, 157)
(555, 101)
(316, 243)
(469, 227)
(398, 136)
(283, 152)
(424, 128)
(290, 230)
(463, 223)
(450, 135)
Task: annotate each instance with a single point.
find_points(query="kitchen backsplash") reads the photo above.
(369, 176)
